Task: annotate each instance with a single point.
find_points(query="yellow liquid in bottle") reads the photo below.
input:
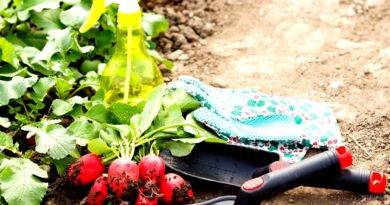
(144, 74)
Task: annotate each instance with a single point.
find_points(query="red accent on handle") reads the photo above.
(377, 183)
(345, 157)
(278, 165)
(253, 184)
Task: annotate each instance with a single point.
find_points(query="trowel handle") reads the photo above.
(256, 189)
(361, 181)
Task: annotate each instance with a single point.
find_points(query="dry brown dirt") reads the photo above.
(330, 51)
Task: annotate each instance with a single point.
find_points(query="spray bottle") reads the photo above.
(131, 73)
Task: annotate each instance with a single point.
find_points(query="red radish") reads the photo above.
(99, 191)
(85, 170)
(30, 141)
(145, 200)
(123, 176)
(151, 168)
(175, 190)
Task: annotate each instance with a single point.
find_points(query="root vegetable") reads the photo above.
(123, 176)
(85, 170)
(175, 190)
(151, 168)
(99, 192)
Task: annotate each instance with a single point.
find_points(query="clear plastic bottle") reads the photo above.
(131, 73)
(144, 74)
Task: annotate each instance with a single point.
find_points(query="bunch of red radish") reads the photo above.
(144, 183)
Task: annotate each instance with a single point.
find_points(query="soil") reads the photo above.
(330, 51)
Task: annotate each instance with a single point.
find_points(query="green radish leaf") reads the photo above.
(199, 131)
(178, 149)
(98, 97)
(83, 131)
(4, 4)
(9, 71)
(47, 19)
(39, 5)
(169, 116)
(62, 164)
(7, 52)
(88, 66)
(76, 2)
(41, 88)
(4, 122)
(124, 130)
(151, 109)
(180, 98)
(51, 138)
(123, 112)
(3, 24)
(192, 140)
(5, 141)
(19, 181)
(100, 114)
(35, 39)
(62, 107)
(98, 146)
(15, 88)
(91, 80)
(63, 87)
(168, 64)
(75, 16)
(23, 16)
(134, 122)
(110, 136)
(154, 24)
(59, 41)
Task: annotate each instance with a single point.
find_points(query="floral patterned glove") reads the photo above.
(287, 126)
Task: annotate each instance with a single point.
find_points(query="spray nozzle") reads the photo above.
(99, 7)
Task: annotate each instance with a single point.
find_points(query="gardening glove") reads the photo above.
(287, 126)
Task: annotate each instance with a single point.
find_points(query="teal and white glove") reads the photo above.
(288, 126)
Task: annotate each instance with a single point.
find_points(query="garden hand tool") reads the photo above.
(231, 165)
(131, 74)
(255, 190)
(361, 181)
(220, 163)
(287, 126)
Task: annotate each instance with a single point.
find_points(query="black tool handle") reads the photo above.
(361, 181)
(256, 189)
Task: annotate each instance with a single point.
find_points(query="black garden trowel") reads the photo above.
(220, 163)
(259, 175)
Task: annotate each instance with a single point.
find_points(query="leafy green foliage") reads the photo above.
(49, 89)
(19, 181)
(5, 141)
(4, 122)
(51, 138)
(98, 146)
(8, 52)
(154, 24)
(151, 109)
(179, 149)
(15, 88)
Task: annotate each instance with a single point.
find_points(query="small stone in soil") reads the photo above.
(175, 55)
